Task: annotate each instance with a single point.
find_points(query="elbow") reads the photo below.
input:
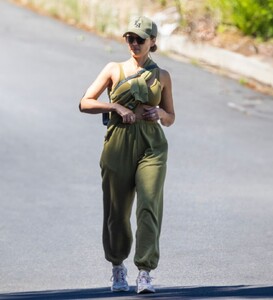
(167, 124)
(169, 121)
(87, 106)
(80, 107)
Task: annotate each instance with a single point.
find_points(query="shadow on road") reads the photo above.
(173, 293)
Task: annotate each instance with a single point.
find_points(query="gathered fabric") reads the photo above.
(134, 92)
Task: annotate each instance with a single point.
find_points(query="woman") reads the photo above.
(135, 152)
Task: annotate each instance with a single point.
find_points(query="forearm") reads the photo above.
(93, 106)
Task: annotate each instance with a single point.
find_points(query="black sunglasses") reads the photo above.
(130, 39)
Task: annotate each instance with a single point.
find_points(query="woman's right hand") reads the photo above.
(126, 114)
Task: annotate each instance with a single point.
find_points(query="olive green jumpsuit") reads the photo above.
(134, 161)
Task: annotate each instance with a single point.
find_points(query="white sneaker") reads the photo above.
(120, 283)
(143, 283)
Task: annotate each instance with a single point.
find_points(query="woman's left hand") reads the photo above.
(151, 113)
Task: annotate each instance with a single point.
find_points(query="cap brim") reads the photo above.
(140, 33)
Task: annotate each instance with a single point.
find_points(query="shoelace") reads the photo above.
(119, 275)
(146, 278)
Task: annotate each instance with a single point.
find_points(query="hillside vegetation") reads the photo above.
(244, 26)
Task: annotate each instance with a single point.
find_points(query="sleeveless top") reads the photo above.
(136, 90)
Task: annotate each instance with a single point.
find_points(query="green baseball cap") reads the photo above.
(143, 27)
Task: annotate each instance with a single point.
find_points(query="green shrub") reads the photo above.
(252, 17)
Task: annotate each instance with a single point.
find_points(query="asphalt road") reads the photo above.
(217, 236)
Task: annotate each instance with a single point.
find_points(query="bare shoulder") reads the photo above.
(109, 74)
(165, 77)
(111, 68)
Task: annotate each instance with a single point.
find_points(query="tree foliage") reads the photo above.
(252, 17)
